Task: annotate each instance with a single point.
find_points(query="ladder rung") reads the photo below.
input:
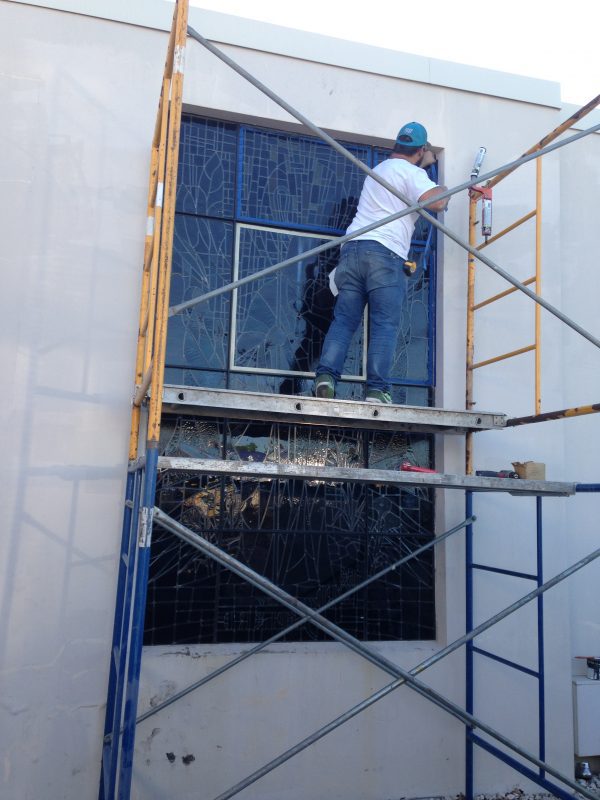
(504, 356)
(500, 295)
(507, 229)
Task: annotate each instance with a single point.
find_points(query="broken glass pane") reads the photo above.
(282, 319)
(315, 539)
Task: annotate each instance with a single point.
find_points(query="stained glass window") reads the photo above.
(314, 539)
(249, 198)
(202, 260)
(298, 182)
(207, 162)
(287, 185)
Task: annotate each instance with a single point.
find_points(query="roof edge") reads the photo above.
(266, 37)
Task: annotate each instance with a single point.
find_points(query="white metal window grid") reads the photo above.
(232, 366)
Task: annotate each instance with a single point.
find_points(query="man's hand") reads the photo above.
(428, 159)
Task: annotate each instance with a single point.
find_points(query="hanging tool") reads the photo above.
(485, 194)
(486, 213)
(410, 267)
(478, 162)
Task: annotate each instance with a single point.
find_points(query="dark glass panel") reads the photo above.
(282, 319)
(411, 395)
(202, 254)
(380, 154)
(207, 160)
(289, 385)
(315, 539)
(298, 182)
(412, 356)
(196, 377)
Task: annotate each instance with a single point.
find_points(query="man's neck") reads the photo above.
(410, 159)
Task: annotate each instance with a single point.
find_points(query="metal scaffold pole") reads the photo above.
(402, 676)
(306, 618)
(119, 729)
(418, 208)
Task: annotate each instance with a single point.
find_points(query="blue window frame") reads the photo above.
(247, 198)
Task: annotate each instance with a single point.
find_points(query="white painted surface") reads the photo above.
(321, 49)
(270, 702)
(83, 95)
(74, 182)
(580, 256)
(586, 712)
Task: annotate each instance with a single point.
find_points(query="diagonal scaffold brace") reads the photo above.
(419, 208)
(401, 676)
(276, 637)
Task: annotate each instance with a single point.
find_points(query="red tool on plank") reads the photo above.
(406, 467)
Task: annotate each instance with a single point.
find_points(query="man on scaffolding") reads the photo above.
(371, 267)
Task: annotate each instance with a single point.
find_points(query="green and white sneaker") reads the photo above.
(377, 396)
(325, 387)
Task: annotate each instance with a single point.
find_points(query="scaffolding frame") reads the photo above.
(140, 513)
(476, 194)
(134, 557)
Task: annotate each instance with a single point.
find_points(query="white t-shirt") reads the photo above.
(376, 203)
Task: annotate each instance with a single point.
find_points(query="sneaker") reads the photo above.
(377, 396)
(325, 387)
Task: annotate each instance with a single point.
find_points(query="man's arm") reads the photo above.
(439, 205)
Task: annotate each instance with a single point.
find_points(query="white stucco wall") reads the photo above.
(78, 110)
(83, 94)
(580, 257)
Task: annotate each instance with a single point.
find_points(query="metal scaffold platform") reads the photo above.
(384, 477)
(314, 411)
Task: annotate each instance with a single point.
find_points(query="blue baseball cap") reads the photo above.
(413, 134)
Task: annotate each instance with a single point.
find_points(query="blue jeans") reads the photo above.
(368, 272)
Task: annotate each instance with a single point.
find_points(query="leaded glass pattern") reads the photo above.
(236, 173)
(315, 539)
(248, 198)
(207, 161)
(413, 359)
(277, 384)
(298, 182)
(202, 260)
(281, 320)
(203, 378)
